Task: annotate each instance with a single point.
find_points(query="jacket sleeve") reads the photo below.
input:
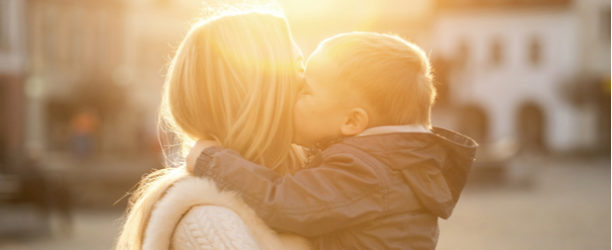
(341, 192)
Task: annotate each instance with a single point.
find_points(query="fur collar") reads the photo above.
(194, 191)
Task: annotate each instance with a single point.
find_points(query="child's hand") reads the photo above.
(195, 152)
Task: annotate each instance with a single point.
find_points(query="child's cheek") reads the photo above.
(302, 122)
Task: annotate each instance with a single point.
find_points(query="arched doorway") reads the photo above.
(531, 124)
(474, 122)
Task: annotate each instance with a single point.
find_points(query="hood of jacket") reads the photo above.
(435, 165)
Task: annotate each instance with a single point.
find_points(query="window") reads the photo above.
(605, 24)
(74, 40)
(4, 29)
(535, 51)
(49, 33)
(497, 52)
(77, 49)
(63, 37)
(101, 44)
(462, 55)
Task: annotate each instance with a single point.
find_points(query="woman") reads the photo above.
(234, 79)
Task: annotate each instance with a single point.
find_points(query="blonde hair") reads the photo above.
(233, 80)
(392, 74)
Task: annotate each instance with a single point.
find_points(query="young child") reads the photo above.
(383, 176)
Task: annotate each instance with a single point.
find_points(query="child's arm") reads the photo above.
(342, 192)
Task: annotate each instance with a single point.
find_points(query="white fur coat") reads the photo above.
(196, 192)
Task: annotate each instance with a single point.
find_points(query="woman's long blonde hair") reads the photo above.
(233, 79)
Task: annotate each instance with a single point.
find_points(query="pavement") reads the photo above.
(565, 206)
(91, 230)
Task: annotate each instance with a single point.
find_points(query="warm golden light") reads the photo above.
(81, 85)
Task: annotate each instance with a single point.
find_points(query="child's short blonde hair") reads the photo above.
(392, 74)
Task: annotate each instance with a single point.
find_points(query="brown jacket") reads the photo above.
(381, 191)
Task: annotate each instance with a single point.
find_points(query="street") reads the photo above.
(567, 207)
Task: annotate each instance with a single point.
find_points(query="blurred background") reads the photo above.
(80, 84)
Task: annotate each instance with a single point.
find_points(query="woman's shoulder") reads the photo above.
(175, 203)
(212, 217)
(209, 213)
(194, 205)
(212, 227)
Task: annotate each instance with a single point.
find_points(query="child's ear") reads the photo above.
(356, 121)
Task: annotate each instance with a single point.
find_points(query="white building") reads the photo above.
(512, 64)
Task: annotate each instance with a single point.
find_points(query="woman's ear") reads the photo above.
(356, 122)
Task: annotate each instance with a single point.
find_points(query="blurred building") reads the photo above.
(12, 75)
(83, 92)
(153, 30)
(75, 48)
(514, 67)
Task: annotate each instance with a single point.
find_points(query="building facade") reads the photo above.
(74, 50)
(12, 74)
(515, 65)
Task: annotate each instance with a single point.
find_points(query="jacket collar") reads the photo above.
(394, 129)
